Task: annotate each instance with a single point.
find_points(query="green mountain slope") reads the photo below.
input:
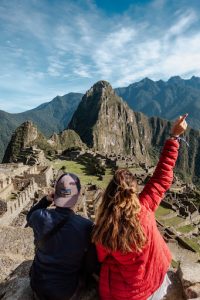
(165, 99)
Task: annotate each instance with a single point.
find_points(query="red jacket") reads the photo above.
(138, 275)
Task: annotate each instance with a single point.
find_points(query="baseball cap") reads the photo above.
(67, 190)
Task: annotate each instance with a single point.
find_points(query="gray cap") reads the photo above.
(67, 190)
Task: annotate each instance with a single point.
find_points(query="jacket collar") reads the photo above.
(64, 210)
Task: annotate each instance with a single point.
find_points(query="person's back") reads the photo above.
(135, 275)
(57, 264)
(59, 259)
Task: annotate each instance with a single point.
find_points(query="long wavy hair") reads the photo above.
(117, 222)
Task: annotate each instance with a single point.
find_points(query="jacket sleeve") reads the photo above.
(43, 203)
(90, 262)
(160, 182)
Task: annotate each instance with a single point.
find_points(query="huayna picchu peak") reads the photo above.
(106, 123)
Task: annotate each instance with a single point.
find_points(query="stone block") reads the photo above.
(189, 274)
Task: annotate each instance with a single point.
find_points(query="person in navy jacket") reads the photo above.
(62, 254)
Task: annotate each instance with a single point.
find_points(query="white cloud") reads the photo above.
(185, 21)
(82, 73)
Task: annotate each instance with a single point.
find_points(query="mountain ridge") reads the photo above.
(165, 99)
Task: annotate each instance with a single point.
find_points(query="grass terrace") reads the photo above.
(186, 228)
(173, 221)
(162, 211)
(193, 242)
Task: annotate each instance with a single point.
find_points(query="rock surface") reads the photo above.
(17, 286)
(112, 127)
(189, 273)
(26, 135)
(16, 245)
(65, 140)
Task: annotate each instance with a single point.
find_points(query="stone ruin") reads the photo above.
(183, 203)
(18, 185)
(89, 201)
(112, 160)
(32, 156)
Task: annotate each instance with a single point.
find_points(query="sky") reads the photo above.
(53, 47)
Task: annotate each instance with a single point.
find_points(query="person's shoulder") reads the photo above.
(41, 213)
(83, 221)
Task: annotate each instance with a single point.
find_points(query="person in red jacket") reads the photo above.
(135, 258)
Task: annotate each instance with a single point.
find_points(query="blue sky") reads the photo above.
(52, 47)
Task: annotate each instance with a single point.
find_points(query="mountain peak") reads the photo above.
(195, 79)
(103, 103)
(147, 79)
(22, 137)
(100, 88)
(175, 79)
(102, 84)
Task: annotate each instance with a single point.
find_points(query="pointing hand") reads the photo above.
(179, 126)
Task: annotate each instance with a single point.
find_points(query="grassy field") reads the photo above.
(162, 211)
(193, 243)
(186, 228)
(81, 171)
(172, 221)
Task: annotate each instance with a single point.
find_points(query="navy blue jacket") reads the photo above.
(58, 262)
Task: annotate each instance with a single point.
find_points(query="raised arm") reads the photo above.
(42, 204)
(162, 178)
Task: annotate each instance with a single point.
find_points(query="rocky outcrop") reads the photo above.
(189, 274)
(16, 245)
(26, 135)
(17, 286)
(66, 140)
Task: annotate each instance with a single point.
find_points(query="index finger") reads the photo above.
(183, 118)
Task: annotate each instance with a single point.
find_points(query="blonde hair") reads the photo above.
(117, 223)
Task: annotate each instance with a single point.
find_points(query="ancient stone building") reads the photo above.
(18, 185)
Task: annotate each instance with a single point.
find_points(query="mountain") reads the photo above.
(165, 99)
(26, 135)
(50, 117)
(112, 127)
